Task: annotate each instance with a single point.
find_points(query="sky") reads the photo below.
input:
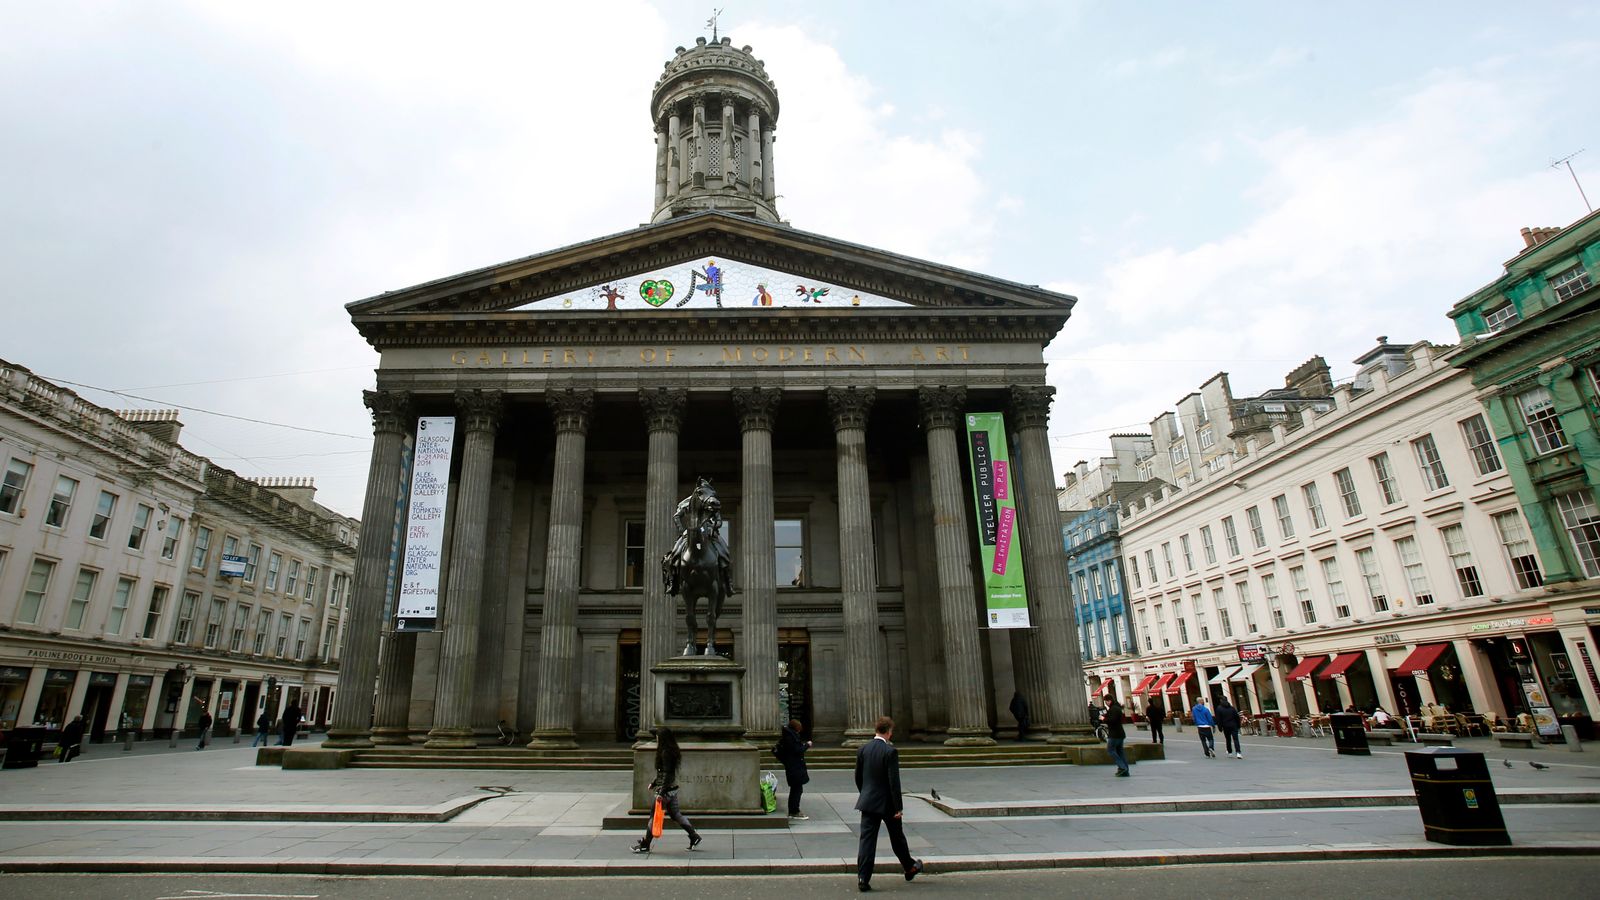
(190, 192)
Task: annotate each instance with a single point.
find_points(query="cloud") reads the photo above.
(1377, 228)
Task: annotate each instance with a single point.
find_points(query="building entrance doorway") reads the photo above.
(97, 704)
(794, 677)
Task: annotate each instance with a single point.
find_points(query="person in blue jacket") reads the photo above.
(1203, 723)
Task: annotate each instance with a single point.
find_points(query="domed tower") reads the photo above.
(714, 109)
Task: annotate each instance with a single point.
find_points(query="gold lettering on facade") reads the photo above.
(963, 349)
(483, 358)
(759, 354)
(856, 354)
(830, 355)
(590, 354)
(732, 354)
(647, 355)
(785, 354)
(458, 357)
(546, 359)
(569, 356)
(941, 353)
(505, 357)
(916, 355)
(805, 355)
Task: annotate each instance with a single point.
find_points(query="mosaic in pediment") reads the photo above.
(710, 283)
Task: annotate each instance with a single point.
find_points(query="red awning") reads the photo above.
(1178, 682)
(1306, 666)
(1104, 686)
(1340, 663)
(1161, 683)
(1144, 685)
(1420, 659)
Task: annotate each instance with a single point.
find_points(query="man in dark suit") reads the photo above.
(878, 780)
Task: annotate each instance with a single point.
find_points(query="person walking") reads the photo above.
(791, 751)
(1115, 735)
(665, 786)
(205, 729)
(71, 740)
(263, 728)
(1155, 712)
(1203, 723)
(1019, 711)
(291, 724)
(878, 781)
(1228, 721)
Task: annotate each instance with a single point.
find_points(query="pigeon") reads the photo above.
(935, 793)
(1537, 765)
(1506, 763)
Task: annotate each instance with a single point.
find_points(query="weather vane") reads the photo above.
(711, 23)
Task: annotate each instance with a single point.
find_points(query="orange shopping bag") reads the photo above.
(655, 819)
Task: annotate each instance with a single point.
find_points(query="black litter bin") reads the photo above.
(1349, 735)
(1456, 798)
(25, 747)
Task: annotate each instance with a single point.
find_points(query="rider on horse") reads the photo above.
(711, 516)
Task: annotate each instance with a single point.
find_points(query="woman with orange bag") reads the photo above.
(665, 786)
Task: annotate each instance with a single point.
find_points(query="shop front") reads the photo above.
(53, 700)
(13, 684)
(136, 702)
(96, 709)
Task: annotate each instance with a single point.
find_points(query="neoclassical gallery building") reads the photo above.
(821, 386)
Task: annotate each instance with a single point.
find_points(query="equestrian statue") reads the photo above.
(698, 566)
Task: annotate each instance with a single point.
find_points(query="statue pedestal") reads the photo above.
(699, 698)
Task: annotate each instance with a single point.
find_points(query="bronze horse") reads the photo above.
(695, 571)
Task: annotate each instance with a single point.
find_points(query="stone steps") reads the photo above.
(621, 758)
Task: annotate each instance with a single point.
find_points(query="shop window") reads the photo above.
(1519, 550)
(788, 540)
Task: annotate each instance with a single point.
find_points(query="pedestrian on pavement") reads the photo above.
(1155, 712)
(665, 786)
(1115, 735)
(263, 728)
(71, 740)
(205, 729)
(791, 751)
(291, 724)
(878, 780)
(1019, 711)
(1203, 723)
(1228, 721)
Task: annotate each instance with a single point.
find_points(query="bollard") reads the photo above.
(173, 741)
(127, 740)
(1571, 735)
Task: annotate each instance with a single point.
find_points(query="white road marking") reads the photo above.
(208, 895)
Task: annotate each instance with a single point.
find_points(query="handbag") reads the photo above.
(656, 816)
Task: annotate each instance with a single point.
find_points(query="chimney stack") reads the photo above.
(1533, 237)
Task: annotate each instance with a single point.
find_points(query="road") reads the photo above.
(1415, 879)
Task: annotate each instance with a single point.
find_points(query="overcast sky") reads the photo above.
(191, 192)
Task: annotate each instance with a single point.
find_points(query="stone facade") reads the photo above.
(819, 384)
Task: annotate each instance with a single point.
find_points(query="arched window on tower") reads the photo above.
(736, 170)
(713, 153)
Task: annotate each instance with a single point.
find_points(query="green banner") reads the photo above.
(1005, 596)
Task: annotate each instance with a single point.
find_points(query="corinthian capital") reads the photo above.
(941, 406)
(391, 410)
(479, 410)
(663, 407)
(1030, 405)
(758, 407)
(570, 409)
(850, 406)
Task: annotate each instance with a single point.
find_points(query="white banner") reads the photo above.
(418, 607)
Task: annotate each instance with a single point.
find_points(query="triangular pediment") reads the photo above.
(693, 262)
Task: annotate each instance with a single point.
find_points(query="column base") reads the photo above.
(554, 739)
(969, 737)
(390, 735)
(451, 739)
(1071, 734)
(856, 737)
(341, 739)
(763, 739)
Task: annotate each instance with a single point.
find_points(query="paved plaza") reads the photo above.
(214, 810)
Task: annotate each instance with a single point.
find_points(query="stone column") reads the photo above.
(1380, 680)
(769, 182)
(864, 666)
(699, 139)
(1044, 563)
(154, 703)
(958, 608)
(486, 678)
(479, 414)
(558, 637)
(663, 415)
(674, 154)
(661, 166)
(358, 660)
(391, 721)
(752, 151)
(757, 563)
